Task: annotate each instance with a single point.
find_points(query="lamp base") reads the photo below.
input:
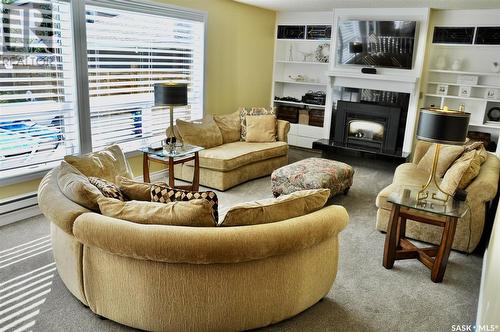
(424, 193)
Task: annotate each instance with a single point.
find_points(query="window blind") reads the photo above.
(127, 53)
(38, 123)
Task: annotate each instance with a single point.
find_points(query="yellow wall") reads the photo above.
(239, 63)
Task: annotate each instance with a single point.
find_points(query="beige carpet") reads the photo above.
(365, 296)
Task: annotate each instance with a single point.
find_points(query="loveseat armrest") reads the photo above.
(209, 245)
(283, 129)
(485, 186)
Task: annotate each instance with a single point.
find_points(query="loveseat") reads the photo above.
(479, 193)
(177, 278)
(229, 164)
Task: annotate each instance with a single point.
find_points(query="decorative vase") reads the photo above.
(457, 64)
(495, 67)
(440, 62)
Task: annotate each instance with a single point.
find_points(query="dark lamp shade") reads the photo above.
(444, 127)
(170, 94)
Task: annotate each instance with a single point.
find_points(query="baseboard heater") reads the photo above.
(18, 208)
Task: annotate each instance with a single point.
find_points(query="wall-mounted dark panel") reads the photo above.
(319, 31)
(453, 35)
(291, 31)
(488, 36)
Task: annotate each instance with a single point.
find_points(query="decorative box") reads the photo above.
(467, 79)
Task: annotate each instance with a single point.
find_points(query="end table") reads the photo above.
(182, 155)
(406, 206)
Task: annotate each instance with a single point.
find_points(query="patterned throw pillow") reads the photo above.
(108, 188)
(250, 112)
(165, 194)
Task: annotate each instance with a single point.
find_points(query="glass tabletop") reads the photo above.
(407, 197)
(160, 153)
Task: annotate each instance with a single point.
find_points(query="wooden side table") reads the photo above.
(397, 247)
(183, 155)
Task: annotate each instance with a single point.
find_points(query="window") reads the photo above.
(47, 111)
(37, 113)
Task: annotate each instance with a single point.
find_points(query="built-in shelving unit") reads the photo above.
(300, 67)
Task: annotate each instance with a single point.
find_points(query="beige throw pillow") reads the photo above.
(77, 187)
(229, 126)
(276, 209)
(190, 213)
(250, 112)
(447, 155)
(462, 172)
(205, 134)
(261, 128)
(135, 190)
(105, 164)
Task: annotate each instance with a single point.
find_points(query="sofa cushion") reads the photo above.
(77, 187)
(276, 209)
(251, 112)
(462, 172)
(165, 194)
(136, 190)
(107, 188)
(191, 213)
(405, 175)
(235, 155)
(447, 155)
(205, 134)
(261, 128)
(105, 164)
(229, 126)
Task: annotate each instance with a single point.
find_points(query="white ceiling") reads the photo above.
(319, 5)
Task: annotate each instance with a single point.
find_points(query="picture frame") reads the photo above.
(442, 89)
(491, 94)
(464, 90)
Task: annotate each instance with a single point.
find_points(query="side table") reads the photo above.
(182, 155)
(405, 206)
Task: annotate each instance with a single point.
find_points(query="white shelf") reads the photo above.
(463, 45)
(305, 40)
(460, 72)
(458, 97)
(299, 104)
(304, 62)
(381, 77)
(484, 125)
(471, 85)
(301, 83)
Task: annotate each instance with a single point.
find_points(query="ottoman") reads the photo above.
(312, 173)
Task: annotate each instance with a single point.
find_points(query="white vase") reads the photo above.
(495, 67)
(457, 64)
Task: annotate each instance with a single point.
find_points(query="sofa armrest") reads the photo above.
(283, 129)
(485, 186)
(209, 245)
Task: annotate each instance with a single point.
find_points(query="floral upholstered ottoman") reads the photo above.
(312, 173)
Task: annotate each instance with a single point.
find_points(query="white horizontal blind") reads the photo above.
(349, 32)
(38, 123)
(128, 52)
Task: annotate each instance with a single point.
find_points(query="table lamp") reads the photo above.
(171, 94)
(441, 126)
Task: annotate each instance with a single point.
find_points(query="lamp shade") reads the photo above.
(444, 127)
(170, 94)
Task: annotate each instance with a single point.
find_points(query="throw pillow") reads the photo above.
(261, 128)
(462, 172)
(276, 209)
(447, 155)
(105, 164)
(192, 213)
(165, 194)
(135, 190)
(107, 188)
(229, 126)
(76, 187)
(205, 134)
(250, 112)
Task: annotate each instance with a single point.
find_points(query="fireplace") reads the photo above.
(368, 127)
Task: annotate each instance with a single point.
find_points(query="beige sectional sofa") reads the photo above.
(179, 278)
(227, 165)
(469, 228)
